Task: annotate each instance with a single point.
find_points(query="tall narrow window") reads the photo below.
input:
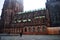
(29, 29)
(43, 28)
(38, 29)
(33, 29)
(25, 29)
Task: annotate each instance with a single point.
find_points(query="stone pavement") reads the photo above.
(31, 37)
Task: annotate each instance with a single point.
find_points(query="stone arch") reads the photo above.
(38, 29)
(29, 29)
(25, 29)
(43, 28)
(33, 29)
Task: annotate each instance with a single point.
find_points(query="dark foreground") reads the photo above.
(30, 37)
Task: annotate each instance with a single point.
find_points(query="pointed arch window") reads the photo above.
(38, 28)
(25, 29)
(33, 29)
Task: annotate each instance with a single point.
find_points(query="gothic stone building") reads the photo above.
(53, 7)
(31, 22)
(10, 8)
(15, 21)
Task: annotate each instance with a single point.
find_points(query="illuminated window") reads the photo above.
(18, 20)
(24, 20)
(29, 19)
(40, 17)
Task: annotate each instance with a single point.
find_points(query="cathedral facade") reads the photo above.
(54, 11)
(15, 21)
(10, 8)
(32, 22)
